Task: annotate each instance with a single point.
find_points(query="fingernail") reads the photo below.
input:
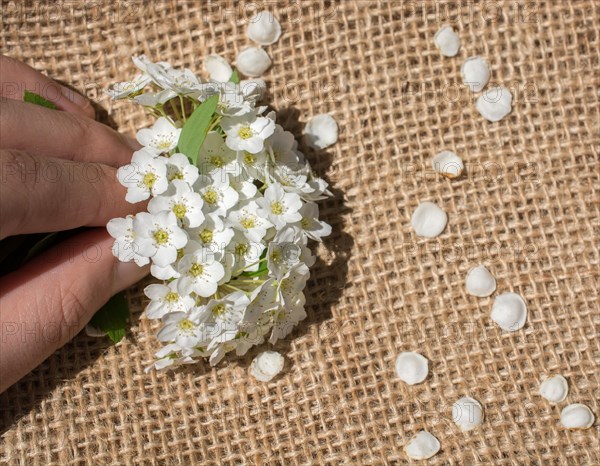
(132, 142)
(75, 97)
(128, 274)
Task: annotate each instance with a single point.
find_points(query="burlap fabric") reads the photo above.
(527, 207)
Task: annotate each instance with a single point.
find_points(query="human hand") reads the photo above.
(57, 172)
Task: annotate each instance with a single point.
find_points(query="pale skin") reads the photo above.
(57, 172)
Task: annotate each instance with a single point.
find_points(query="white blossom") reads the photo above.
(310, 224)
(248, 220)
(124, 248)
(216, 193)
(183, 328)
(145, 176)
(180, 199)
(128, 88)
(154, 99)
(158, 236)
(200, 273)
(180, 168)
(165, 299)
(280, 207)
(247, 134)
(245, 252)
(212, 233)
(215, 158)
(162, 137)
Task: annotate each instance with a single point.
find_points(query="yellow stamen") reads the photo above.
(210, 197)
(161, 237)
(206, 236)
(171, 297)
(245, 132)
(196, 270)
(277, 208)
(248, 222)
(179, 210)
(186, 325)
(149, 180)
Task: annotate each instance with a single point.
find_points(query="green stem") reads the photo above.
(237, 272)
(175, 110)
(235, 288)
(214, 123)
(182, 103)
(249, 281)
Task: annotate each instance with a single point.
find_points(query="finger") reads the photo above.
(43, 194)
(58, 134)
(49, 300)
(16, 77)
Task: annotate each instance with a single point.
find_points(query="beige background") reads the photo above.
(528, 207)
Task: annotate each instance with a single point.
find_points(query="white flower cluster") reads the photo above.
(227, 234)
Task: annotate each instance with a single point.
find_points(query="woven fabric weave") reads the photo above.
(528, 207)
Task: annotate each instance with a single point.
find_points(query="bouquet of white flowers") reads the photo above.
(232, 207)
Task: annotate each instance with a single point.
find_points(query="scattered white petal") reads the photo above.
(447, 41)
(218, 68)
(94, 332)
(412, 368)
(495, 103)
(509, 311)
(480, 282)
(321, 131)
(476, 73)
(555, 389)
(264, 28)
(267, 365)
(253, 62)
(429, 220)
(577, 416)
(467, 413)
(448, 164)
(422, 446)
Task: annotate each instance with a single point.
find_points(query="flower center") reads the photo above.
(277, 208)
(241, 249)
(218, 310)
(163, 142)
(276, 256)
(217, 161)
(161, 237)
(248, 222)
(179, 210)
(210, 196)
(245, 132)
(249, 159)
(186, 325)
(176, 176)
(171, 297)
(196, 270)
(305, 223)
(149, 180)
(206, 236)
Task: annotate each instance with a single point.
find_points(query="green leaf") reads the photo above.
(262, 268)
(112, 317)
(235, 77)
(37, 99)
(195, 130)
